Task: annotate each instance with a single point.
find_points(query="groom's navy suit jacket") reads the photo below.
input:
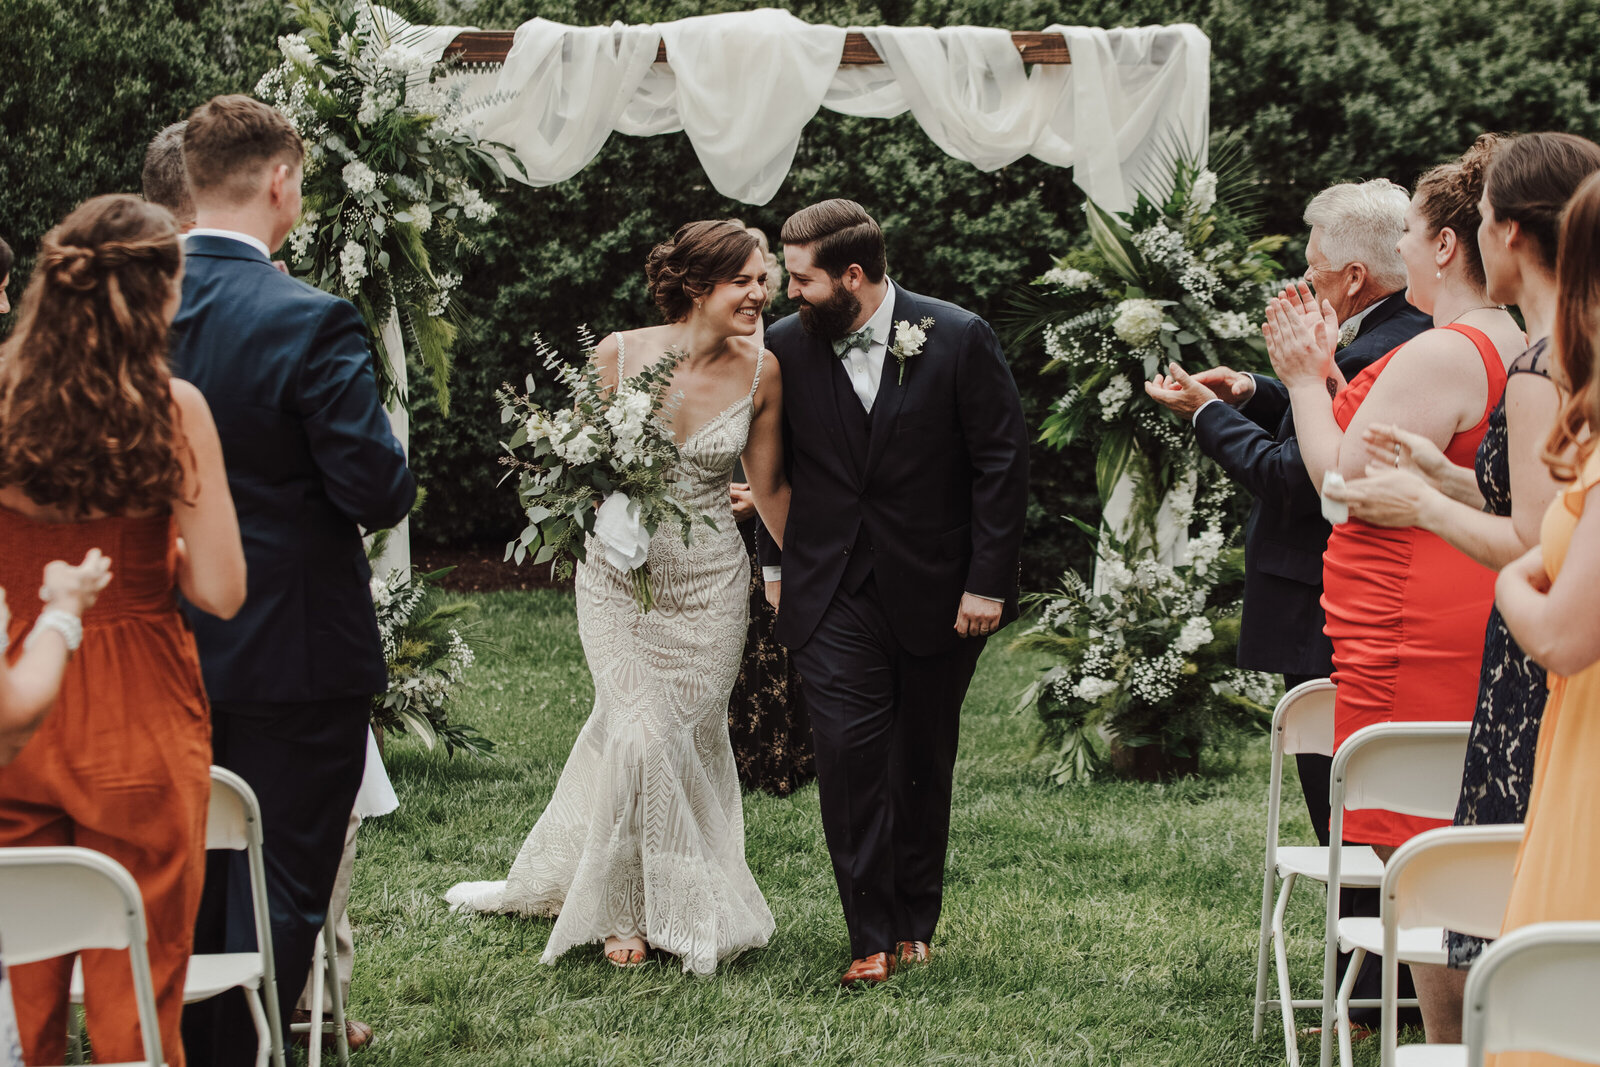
(287, 371)
(1281, 631)
(933, 483)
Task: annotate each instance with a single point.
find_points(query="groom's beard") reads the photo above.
(833, 318)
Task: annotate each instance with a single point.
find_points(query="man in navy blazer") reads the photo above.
(908, 460)
(311, 462)
(1244, 423)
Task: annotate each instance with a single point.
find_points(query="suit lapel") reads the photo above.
(891, 393)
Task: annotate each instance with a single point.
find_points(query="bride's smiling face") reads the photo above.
(734, 307)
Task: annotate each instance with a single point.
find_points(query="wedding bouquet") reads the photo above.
(605, 465)
(394, 173)
(1179, 278)
(428, 645)
(1148, 661)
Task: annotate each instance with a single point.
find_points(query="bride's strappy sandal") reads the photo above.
(631, 957)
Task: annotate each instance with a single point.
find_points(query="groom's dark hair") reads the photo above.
(842, 233)
(228, 140)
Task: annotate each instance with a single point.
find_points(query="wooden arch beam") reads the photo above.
(490, 47)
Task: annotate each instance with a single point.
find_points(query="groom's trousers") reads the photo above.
(885, 724)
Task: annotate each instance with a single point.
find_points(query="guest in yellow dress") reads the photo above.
(1547, 599)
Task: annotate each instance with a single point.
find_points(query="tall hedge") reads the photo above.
(1322, 92)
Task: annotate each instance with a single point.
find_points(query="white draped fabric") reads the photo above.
(743, 85)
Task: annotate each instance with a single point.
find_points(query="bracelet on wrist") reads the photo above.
(69, 626)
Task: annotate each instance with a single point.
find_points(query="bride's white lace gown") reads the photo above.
(644, 835)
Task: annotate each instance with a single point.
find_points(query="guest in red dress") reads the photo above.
(101, 448)
(1406, 611)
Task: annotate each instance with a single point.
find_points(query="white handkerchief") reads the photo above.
(618, 527)
(1335, 511)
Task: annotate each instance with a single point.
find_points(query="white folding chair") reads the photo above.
(1457, 878)
(233, 822)
(60, 901)
(1413, 768)
(325, 975)
(1535, 990)
(1302, 722)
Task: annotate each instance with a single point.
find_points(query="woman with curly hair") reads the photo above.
(642, 844)
(101, 448)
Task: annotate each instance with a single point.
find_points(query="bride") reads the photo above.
(642, 844)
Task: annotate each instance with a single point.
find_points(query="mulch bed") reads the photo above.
(483, 569)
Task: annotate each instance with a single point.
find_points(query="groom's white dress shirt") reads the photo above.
(865, 366)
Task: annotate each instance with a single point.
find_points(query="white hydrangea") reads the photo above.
(1090, 689)
(359, 178)
(1114, 397)
(421, 216)
(1204, 550)
(1138, 322)
(352, 264)
(1115, 574)
(628, 416)
(403, 61)
(1195, 635)
(1203, 193)
(1232, 325)
(376, 102)
(1067, 279)
(473, 205)
(296, 50)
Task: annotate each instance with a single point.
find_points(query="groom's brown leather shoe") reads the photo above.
(870, 971)
(913, 951)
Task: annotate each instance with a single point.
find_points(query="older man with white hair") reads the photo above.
(1243, 421)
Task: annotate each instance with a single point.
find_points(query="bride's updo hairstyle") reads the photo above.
(1448, 198)
(87, 422)
(700, 256)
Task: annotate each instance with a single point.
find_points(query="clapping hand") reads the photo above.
(1301, 337)
(1180, 394)
(1230, 386)
(74, 589)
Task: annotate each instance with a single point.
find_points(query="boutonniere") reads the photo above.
(1347, 333)
(908, 342)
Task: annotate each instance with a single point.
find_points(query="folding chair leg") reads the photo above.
(330, 947)
(314, 1033)
(263, 1033)
(1346, 987)
(1262, 949)
(1291, 1043)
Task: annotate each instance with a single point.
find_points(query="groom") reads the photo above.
(908, 460)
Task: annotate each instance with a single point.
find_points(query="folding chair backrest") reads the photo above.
(234, 818)
(1413, 768)
(1304, 718)
(1458, 877)
(1535, 990)
(61, 900)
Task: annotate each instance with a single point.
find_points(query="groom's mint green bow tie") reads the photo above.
(861, 339)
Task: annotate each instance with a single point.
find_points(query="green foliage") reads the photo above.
(1320, 93)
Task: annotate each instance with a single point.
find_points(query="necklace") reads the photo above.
(1480, 307)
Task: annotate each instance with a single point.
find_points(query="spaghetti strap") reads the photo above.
(761, 355)
(1492, 365)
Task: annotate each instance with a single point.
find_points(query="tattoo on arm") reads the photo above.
(1333, 387)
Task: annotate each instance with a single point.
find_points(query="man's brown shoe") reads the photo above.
(358, 1034)
(913, 951)
(874, 969)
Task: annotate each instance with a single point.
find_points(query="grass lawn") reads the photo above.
(1105, 925)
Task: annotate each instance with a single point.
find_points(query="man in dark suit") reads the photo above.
(311, 461)
(908, 462)
(1245, 424)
